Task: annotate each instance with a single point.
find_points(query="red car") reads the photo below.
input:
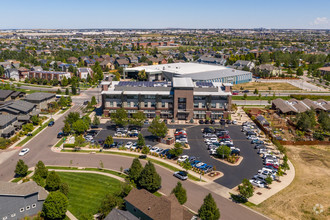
(235, 93)
(180, 133)
(224, 136)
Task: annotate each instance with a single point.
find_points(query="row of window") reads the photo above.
(20, 210)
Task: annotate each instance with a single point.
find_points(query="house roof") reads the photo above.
(18, 106)
(4, 119)
(23, 189)
(117, 214)
(5, 93)
(39, 96)
(122, 61)
(160, 208)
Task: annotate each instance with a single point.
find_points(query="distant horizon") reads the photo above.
(149, 14)
(165, 28)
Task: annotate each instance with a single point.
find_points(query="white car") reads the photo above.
(257, 183)
(134, 146)
(234, 122)
(183, 158)
(128, 145)
(154, 149)
(213, 151)
(118, 134)
(160, 150)
(24, 151)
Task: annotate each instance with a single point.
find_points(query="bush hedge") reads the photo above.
(311, 97)
(68, 146)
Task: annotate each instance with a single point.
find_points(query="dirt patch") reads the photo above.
(307, 197)
(265, 86)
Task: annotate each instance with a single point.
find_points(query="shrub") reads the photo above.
(68, 145)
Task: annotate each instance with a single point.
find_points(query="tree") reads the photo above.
(180, 193)
(74, 90)
(140, 141)
(67, 91)
(149, 178)
(21, 168)
(223, 151)
(142, 76)
(256, 91)
(109, 202)
(64, 188)
(245, 96)
(63, 101)
(80, 126)
(35, 120)
(53, 181)
(59, 92)
(119, 117)
(108, 141)
(96, 120)
(55, 206)
(72, 117)
(93, 101)
(158, 128)
(209, 209)
(268, 180)
(67, 128)
(64, 81)
(79, 141)
(186, 165)
(324, 121)
(41, 169)
(176, 150)
(138, 118)
(145, 150)
(246, 189)
(135, 170)
(300, 71)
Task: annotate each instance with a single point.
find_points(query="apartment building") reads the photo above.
(49, 75)
(179, 99)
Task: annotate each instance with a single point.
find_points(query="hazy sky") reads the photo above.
(165, 14)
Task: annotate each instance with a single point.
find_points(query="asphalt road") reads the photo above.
(40, 150)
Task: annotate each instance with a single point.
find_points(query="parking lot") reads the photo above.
(233, 175)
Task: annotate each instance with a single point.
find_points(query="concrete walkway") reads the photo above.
(70, 216)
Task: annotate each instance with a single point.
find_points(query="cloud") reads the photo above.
(320, 21)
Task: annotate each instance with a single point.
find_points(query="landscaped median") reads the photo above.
(160, 162)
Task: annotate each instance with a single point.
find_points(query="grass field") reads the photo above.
(265, 86)
(87, 190)
(309, 188)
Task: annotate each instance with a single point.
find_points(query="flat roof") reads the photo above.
(182, 82)
(179, 68)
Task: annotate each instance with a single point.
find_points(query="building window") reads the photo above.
(111, 104)
(34, 205)
(128, 104)
(163, 104)
(21, 210)
(13, 215)
(213, 105)
(195, 105)
(146, 104)
(153, 104)
(27, 208)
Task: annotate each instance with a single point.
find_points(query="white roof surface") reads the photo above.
(179, 68)
(183, 82)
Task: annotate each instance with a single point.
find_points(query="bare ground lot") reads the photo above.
(309, 191)
(265, 86)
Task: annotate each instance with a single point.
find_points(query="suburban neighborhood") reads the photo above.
(164, 123)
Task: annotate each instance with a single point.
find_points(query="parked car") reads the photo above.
(154, 149)
(201, 122)
(212, 122)
(126, 171)
(182, 175)
(235, 93)
(128, 145)
(234, 122)
(257, 183)
(222, 121)
(24, 151)
(51, 123)
(60, 135)
(246, 91)
(146, 122)
(191, 159)
(257, 141)
(134, 146)
(183, 158)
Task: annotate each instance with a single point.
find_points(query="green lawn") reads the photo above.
(87, 190)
